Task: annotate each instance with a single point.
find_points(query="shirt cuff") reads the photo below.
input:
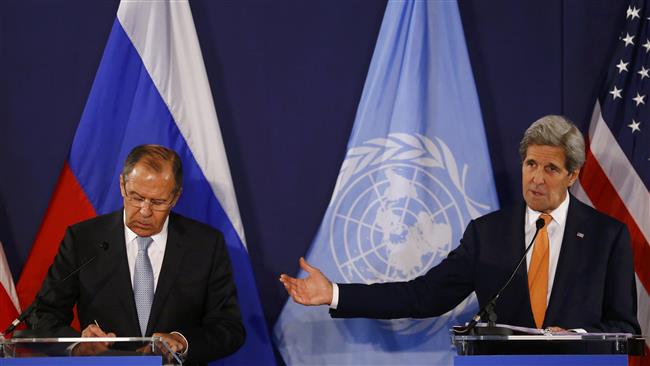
(578, 330)
(187, 347)
(335, 296)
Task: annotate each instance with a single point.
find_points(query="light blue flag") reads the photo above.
(417, 170)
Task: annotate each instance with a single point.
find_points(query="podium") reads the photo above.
(551, 349)
(117, 351)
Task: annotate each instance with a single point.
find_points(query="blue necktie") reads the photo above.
(143, 282)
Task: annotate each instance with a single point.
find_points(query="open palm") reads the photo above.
(315, 289)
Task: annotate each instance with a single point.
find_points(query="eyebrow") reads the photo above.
(132, 192)
(553, 165)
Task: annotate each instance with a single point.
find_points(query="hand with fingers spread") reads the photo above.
(558, 330)
(94, 348)
(315, 289)
(174, 341)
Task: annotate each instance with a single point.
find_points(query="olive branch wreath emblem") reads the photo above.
(414, 149)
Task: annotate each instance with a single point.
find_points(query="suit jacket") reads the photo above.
(594, 286)
(195, 294)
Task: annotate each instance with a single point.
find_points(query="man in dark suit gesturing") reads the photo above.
(155, 272)
(579, 274)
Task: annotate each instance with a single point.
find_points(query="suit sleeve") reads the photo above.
(56, 298)
(220, 331)
(432, 294)
(620, 300)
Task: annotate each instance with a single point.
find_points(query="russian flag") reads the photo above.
(151, 87)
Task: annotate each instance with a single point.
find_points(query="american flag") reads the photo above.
(9, 306)
(616, 174)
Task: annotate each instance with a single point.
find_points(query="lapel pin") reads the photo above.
(580, 235)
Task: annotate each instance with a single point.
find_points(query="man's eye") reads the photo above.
(138, 199)
(157, 202)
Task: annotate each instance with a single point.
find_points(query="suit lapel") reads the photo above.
(517, 291)
(174, 251)
(569, 253)
(122, 276)
(520, 281)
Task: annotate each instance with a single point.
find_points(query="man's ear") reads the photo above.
(178, 195)
(573, 176)
(122, 186)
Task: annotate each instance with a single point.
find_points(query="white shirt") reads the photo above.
(156, 253)
(555, 231)
(555, 234)
(156, 250)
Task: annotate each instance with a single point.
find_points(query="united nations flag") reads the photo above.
(417, 169)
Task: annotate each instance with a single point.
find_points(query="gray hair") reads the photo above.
(152, 156)
(557, 131)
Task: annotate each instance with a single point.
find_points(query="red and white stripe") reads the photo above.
(68, 193)
(9, 306)
(609, 183)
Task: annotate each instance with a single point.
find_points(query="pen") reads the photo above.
(97, 324)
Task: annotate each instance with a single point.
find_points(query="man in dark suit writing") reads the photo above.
(158, 273)
(579, 274)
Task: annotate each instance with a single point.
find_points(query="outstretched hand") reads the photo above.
(315, 289)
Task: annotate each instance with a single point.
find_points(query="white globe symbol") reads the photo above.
(393, 223)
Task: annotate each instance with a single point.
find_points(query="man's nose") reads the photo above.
(538, 176)
(145, 210)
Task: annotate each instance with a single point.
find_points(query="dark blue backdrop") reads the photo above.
(286, 78)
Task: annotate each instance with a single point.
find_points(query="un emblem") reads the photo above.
(399, 207)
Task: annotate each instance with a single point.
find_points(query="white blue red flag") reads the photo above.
(417, 170)
(616, 174)
(9, 306)
(152, 88)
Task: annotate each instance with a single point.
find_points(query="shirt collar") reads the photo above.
(559, 214)
(161, 237)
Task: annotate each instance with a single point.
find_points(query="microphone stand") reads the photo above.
(487, 311)
(27, 312)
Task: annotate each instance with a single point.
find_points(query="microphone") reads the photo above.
(488, 309)
(27, 312)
